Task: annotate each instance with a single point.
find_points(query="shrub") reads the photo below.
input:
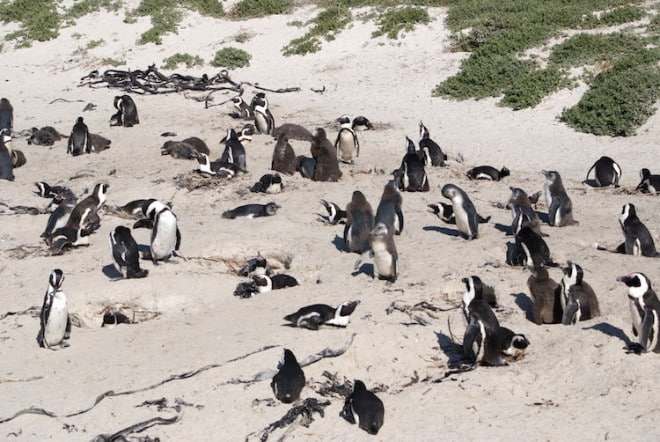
(231, 58)
(396, 20)
(175, 60)
(260, 8)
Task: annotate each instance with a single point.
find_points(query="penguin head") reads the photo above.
(379, 231)
(79, 120)
(151, 207)
(358, 197)
(361, 123)
(43, 189)
(552, 176)
(423, 132)
(288, 358)
(637, 283)
(410, 146)
(628, 211)
(358, 386)
(644, 173)
(237, 100)
(504, 172)
(344, 120)
(55, 279)
(101, 192)
(449, 191)
(347, 308)
(572, 274)
(319, 134)
(474, 289)
(271, 208)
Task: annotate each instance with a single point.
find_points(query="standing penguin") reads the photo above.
(234, 152)
(346, 144)
(165, 234)
(645, 310)
(55, 320)
(430, 147)
(326, 167)
(79, 140)
(367, 406)
(359, 223)
(284, 158)
(6, 162)
(124, 252)
(522, 212)
(263, 118)
(534, 247)
(638, 239)
(560, 207)
(607, 172)
(243, 110)
(389, 209)
(650, 183)
(127, 114)
(383, 251)
(578, 300)
(289, 380)
(546, 294)
(411, 176)
(85, 214)
(467, 219)
(6, 114)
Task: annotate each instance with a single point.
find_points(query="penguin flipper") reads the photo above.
(67, 330)
(178, 239)
(569, 313)
(347, 412)
(399, 215)
(646, 335)
(144, 223)
(472, 333)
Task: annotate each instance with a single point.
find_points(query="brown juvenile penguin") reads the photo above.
(323, 152)
(546, 296)
(284, 158)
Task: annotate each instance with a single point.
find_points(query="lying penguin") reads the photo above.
(313, 316)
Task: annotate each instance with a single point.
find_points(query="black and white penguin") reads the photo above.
(326, 166)
(6, 114)
(430, 147)
(6, 162)
(268, 183)
(245, 134)
(335, 213)
(252, 211)
(289, 380)
(255, 266)
(645, 310)
(313, 316)
(218, 168)
(467, 218)
(99, 143)
(359, 223)
(579, 301)
(638, 239)
(66, 237)
(607, 172)
(284, 158)
(535, 247)
(85, 213)
(265, 283)
(263, 118)
(522, 210)
(293, 132)
(411, 175)
(487, 173)
(546, 297)
(127, 114)
(560, 207)
(17, 156)
(443, 211)
(124, 252)
(165, 234)
(367, 406)
(243, 110)
(234, 152)
(361, 123)
(79, 140)
(60, 216)
(389, 209)
(346, 144)
(55, 320)
(383, 251)
(649, 183)
(513, 345)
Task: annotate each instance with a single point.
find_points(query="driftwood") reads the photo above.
(305, 410)
(138, 428)
(422, 307)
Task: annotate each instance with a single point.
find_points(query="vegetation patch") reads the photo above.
(84, 7)
(113, 62)
(396, 20)
(175, 60)
(231, 58)
(260, 8)
(39, 20)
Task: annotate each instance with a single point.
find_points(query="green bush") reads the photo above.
(231, 58)
(39, 18)
(112, 62)
(84, 7)
(175, 60)
(396, 20)
(583, 49)
(260, 8)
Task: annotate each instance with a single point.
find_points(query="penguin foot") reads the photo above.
(635, 348)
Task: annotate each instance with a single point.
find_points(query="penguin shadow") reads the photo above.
(590, 182)
(504, 229)
(525, 303)
(111, 272)
(611, 330)
(443, 230)
(366, 268)
(453, 350)
(339, 243)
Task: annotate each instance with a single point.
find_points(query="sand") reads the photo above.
(574, 383)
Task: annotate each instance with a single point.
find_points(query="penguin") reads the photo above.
(133, 209)
(389, 209)
(218, 168)
(306, 166)
(383, 251)
(346, 144)
(255, 266)
(607, 172)
(79, 140)
(60, 216)
(645, 310)
(54, 317)
(464, 211)
(560, 207)
(84, 213)
(326, 166)
(481, 341)
(411, 176)
(188, 148)
(124, 252)
(535, 247)
(99, 143)
(17, 156)
(165, 234)
(513, 345)
(243, 110)
(263, 118)
(268, 183)
(649, 183)
(367, 406)
(284, 158)
(579, 301)
(487, 173)
(521, 204)
(335, 215)
(6, 162)
(638, 239)
(443, 211)
(361, 123)
(289, 381)
(66, 237)
(315, 315)
(127, 114)
(45, 190)
(234, 151)
(245, 134)
(546, 296)
(476, 289)
(293, 132)
(252, 211)
(430, 147)
(46, 136)
(359, 223)
(6, 114)
(265, 283)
